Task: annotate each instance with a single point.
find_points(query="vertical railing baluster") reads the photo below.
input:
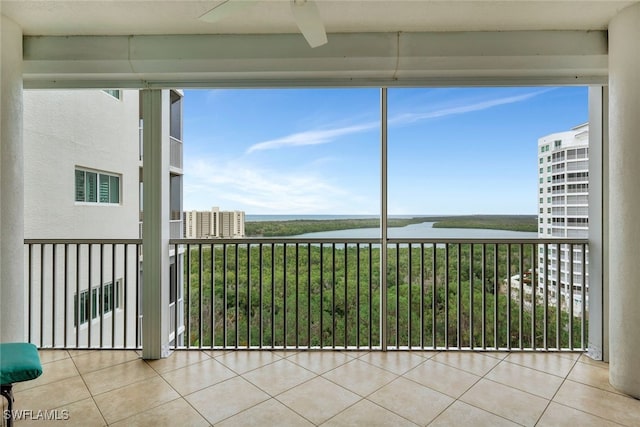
(43, 248)
(570, 303)
(260, 293)
(358, 296)
(138, 296)
(534, 269)
(496, 292)
(434, 297)
(237, 314)
(188, 300)
(201, 295)
(547, 272)
(90, 294)
(521, 311)
(30, 292)
(484, 296)
(410, 299)
(371, 296)
(297, 281)
(558, 296)
(53, 294)
(113, 294)
(66, 293)
(459, 295)
(308, 295)
(583, 330)
(225, 299)
(397, 285)
(446, 296)
(333, 295)
(125, 285)
(509, 296)
(321, 295)
(284, 294)
(346, 302)
(273, 293)
(422, 291)
(249, 314)
(471, 292)
(100, 303)
(212, 294)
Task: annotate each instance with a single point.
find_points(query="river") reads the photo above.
(423, 230)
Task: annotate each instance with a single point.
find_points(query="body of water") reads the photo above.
(424, 230)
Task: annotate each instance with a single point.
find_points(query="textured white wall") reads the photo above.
(87, 128)
(624, 200)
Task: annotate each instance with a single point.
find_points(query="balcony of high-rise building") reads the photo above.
(192, 338)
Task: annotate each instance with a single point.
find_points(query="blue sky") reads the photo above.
(317, 151)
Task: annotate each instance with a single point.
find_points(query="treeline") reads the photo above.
(296, 227)
(308, 295)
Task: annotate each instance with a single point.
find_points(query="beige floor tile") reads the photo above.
(278, 376)
(226, 399)
(507, 402)
(551, 363)
(443, 378)
(526, 379)
(51, 372)
(268, 413)
(611, 406)
(80, 351)
(366, 413)
(117, 376)
(286, 353)
(178, 359)
(395, 361)
(198, 376)
(497, 354)
(53, 395)
(411, 400)
(245, 361)
(320, 361)
(462, 414)
(571, 355)
(318, 400)
(355, 353)
(593, 375)
(124, 402)
(584, 358)
(83, 413)
(48, 355)
(475, 363)
(560, 415)
(360, 377)
(176, 412)
(96, 360)
(215, 353)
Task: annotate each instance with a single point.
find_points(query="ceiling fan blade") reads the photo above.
(309, 22)
(226, 8)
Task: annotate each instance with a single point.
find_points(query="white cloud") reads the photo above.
(240, 185)
(311, 137)
(461, 109)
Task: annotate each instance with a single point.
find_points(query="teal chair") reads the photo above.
(18, 362)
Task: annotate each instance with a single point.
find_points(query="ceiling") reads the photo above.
(131, 17)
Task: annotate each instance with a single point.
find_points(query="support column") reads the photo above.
(12, 286)
(155, 231)
(624, 200)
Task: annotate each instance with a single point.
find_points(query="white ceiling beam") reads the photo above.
(354, 59)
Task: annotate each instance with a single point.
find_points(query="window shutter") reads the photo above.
(114, 189)
(104, 188)
(91, 187)
(79, 186)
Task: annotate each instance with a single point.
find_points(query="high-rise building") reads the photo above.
(563, 211)
(213, 224)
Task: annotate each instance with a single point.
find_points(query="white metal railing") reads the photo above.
(175, 153)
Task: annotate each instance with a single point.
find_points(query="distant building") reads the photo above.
(215, 224)
(563, 210)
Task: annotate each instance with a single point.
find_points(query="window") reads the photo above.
(557, 143)
(94, 187)
(541, 160)
(116, 93)
(96, 302)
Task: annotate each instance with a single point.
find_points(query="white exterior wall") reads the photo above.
(89, 129)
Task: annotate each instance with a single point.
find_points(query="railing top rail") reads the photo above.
(82, 241)
(300, 240)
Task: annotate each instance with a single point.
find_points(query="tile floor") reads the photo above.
(193, 388)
